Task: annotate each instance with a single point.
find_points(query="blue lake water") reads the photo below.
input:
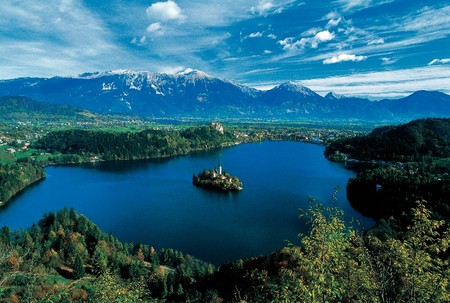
(156, 203)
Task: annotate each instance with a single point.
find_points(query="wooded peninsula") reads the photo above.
(75, 146)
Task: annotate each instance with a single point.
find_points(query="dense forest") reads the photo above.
(410, 163)
(389, 191)
(128, 145)
(67, 258)
(413, 141)
(18, 175)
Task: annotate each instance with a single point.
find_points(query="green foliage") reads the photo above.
(109, 288)
(332, 264)
(211, 179)
(408, 142)
(127, 146)
(78, 267)
(393, 190)
(335, 263)
(414, 266)
(97, 267)
(16, 176)
(25, 109)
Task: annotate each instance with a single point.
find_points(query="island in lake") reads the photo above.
(217, 179)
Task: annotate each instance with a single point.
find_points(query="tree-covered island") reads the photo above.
(217, 179)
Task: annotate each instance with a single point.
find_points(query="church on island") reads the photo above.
(218, 171)
(217, 179)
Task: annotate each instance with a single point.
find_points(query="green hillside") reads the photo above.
(67, 258)
(415, 166)
(407, 142)
(26, 109)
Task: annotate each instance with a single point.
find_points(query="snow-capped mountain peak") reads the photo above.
(295, 87)
(193, 93)
(194, 73)
(95, 75)
(333, 96)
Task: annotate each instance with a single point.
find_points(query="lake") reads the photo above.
(155, 202)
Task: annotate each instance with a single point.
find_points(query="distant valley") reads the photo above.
(195, 94)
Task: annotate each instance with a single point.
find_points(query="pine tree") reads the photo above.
(78, 267)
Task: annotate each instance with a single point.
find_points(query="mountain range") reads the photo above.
(193, 93)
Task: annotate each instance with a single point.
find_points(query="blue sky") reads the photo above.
(370, 48)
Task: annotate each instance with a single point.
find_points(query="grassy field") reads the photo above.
(5, 156)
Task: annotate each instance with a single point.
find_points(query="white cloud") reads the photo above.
(55, 42)
(333, 22)
(262, 71)
(384, 84)
(331, 15)
(214, 13)
(311, 31)
(263, 7)
(139, 41)
(324, 36)
(156, 29)
(428, 20)
(171, 70)
(271, 36)
(264, 87)
(255, 35)
(344, 58)
(414, 29)
(350, 4)
(375, 42)
(439, 61)
(290, 43)
(164, 11)
(267, 52)
(387, 61)
(287, 43)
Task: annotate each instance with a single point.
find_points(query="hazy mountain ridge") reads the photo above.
(20, 108)
(196, 94)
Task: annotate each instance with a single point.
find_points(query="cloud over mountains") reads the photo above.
(281, 39)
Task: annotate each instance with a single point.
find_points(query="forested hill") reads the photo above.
(417, 168)
(67, 258)
(127, 145)
(408, 142)
(17, 108)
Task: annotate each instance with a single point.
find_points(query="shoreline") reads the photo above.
(4, 203)
(22, 189)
